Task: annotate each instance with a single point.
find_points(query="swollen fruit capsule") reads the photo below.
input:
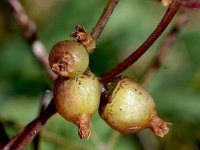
(76, 99)
(128, 108)
(68, 58)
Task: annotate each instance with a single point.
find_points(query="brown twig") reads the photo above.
(104, 18)
(28, 29)
(170, 13)
(27, 134)
(47, 136)
(191, 3)
(27, 26)
(165, 46)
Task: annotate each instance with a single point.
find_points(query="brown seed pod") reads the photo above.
(128, 108)
(76, 99)
(68, 58)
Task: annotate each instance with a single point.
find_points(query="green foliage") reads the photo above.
(175, 86)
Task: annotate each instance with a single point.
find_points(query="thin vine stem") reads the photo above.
(47, 136)
(104, 18)
(27, 134)
(165, 46)
(167, 18)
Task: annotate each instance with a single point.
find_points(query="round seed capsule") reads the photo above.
(68, 58)
(76, 99)
(128, 108)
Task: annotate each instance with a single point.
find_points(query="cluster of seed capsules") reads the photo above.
(122, 103)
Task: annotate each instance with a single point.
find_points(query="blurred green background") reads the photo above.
(175, 86)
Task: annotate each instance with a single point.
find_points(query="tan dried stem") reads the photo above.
(84, 38)
(28, 29)
(84, 131)
(158, 126)
(81, 35)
